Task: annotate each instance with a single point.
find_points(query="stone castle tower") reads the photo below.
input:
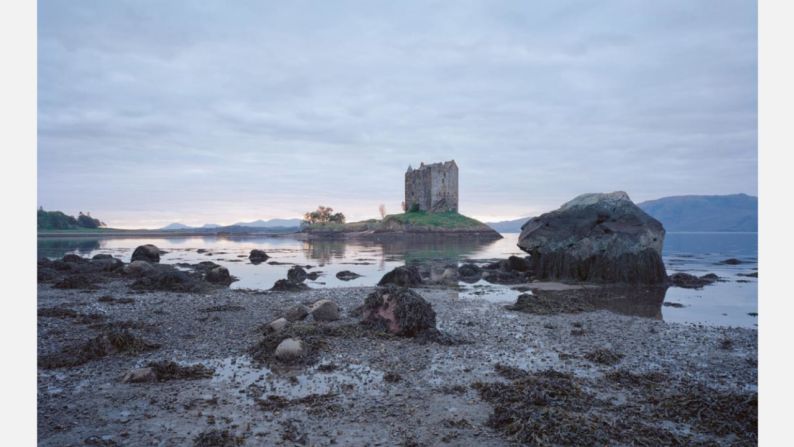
(432, 188)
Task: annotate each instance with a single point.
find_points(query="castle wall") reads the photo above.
(433, 188)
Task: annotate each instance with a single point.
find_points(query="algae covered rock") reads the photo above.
(596, 237)
(398, 310)
(148, 252)
(403, 276)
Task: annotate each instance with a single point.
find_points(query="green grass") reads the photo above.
(364, 225)
(448, 219)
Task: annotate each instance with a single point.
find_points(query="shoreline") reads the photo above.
(424, 393)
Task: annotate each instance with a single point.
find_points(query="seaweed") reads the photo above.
(168, 370)
(604, 357)
(111, 342)
(218, 438)
(317, 403)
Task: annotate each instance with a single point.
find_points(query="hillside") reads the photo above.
(735, 212)
(508, 226)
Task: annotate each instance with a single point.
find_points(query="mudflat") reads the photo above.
(496, 376)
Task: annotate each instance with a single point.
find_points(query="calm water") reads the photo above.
(725, 303)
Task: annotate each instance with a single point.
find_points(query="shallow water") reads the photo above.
(727, 303)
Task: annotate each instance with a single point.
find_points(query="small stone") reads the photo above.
(296, 313)
(278, 325)
(140, 375)
(325, 310)
(289, 349)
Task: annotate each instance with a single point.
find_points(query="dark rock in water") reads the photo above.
(469, 273)
(71, 257)
(398, 310)
(313, 275)
(148, 252)
(285, 285)
(102, 256)
(749, 275)
(518, 264)
(730, 261)
(402, 276)
(672, 304)
(687, 281)
(347, 275)
(296, 274)
(596, 237)
(219, 275)
(257, 256)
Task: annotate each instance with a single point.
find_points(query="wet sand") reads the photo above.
(361, 390)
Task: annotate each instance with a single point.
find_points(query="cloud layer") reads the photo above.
(153, 112)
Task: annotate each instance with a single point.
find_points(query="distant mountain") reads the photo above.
(735, 212)
(175, 226)
(272, 223)
(508, 226)
(210, 226)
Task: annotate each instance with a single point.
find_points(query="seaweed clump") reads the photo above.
(111, 342)
(603, 357)
(218, 438)
(711, 411)
(555, 408)
(317, 403)
(167, 370)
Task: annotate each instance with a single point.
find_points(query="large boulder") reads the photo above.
(398, 310)
(402, 276)
(596, 237)
(148, 253)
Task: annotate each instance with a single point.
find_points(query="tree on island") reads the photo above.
(323, 215)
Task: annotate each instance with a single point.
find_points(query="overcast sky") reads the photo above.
(154, 112)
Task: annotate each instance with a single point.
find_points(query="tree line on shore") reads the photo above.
(57, 220)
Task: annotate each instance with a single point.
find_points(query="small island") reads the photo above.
(430, 209)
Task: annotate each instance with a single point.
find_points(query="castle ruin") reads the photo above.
(432, 188)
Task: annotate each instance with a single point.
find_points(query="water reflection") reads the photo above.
(729, 302)
(56, 248)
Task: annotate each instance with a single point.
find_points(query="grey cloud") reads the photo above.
(219, 111)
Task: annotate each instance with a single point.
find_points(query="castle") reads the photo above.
(432, 188)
